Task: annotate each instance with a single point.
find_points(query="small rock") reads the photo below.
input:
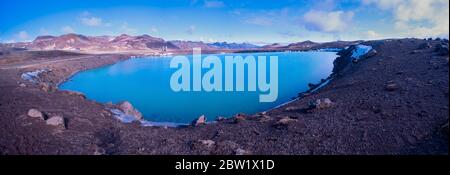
(391, 87)
(284, 121)
(128, 109)
(326, 103)
(199, 121)
(321, 104)
(292, 108)
(220, 118)
(22, 85)
(36, 114)
(238, 118)
(99, 151)
(207, 143)
(56, 121)
(241, 151)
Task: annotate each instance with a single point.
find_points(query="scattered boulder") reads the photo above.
(207, 143)
(128, 109)
(391, 86)
(22, 85)
(241, 151)
(56, 121)
(36, 114)
(238, 118)
(99, 151)
(199, 121)
(326, 103)
(321, 104)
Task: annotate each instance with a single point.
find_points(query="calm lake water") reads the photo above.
(145, 82)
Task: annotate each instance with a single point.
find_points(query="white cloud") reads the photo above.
(383, 4)
(67, 29)
(373, 35)
(9, 41)
(207, 40)
(213, 4)
(191, 30)
(154, 30)
(22, 35)
(287, 34)
(262, 21)
(87, 19)
(236, 12)
(128, 30)
(91, 21)
(329, 22)
(417, 18)
(43, 31)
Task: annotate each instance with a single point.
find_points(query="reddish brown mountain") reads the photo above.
(100, 43)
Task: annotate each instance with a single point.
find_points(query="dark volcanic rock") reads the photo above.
(442, 49)
(424, 46)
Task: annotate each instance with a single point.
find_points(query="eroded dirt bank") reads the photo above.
(395, 102)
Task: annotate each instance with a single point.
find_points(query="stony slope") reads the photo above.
(366, 116)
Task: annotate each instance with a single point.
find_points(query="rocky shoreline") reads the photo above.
(344, 117)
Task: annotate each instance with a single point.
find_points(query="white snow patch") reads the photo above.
(329, 50)
(360, 50)
(117, 113)
(33, 76)
(161, 124)
(122, 116)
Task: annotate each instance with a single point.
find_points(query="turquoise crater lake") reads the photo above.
(145, 82)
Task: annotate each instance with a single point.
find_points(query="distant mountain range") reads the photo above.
(124, 42)
(147, 43)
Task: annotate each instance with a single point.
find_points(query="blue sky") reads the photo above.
(259, 22)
